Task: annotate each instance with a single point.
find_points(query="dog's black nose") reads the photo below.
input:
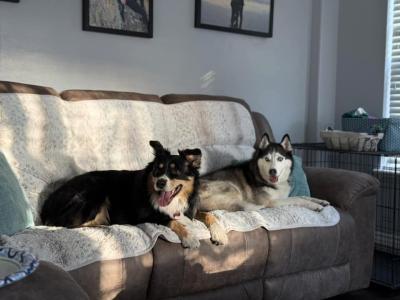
(272, 172)
(161, 183)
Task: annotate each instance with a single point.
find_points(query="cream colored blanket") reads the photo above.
(75, 248)
(46, 139)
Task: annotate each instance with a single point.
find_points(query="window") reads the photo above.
(392, 69)
(391, 107)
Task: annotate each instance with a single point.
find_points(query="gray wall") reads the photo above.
(361, 56)
(322, 85)
(41, 42)
(347, 61)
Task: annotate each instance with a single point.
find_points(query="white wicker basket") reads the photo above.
(347, 140)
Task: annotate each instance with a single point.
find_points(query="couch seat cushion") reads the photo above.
(179, 271)
(118, 278)
(47, 282)
(305, 249)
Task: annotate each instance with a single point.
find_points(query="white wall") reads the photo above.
(361, 56)
(41, 42)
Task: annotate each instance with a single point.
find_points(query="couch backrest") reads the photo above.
(261, 125)
(22, 88)
(47, 139)
(82, 95)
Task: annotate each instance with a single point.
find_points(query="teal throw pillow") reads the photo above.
(298, 179)
(15, 213)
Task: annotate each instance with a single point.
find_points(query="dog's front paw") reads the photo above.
(319, 208)
(252, 207)
(218, 234)
(190, 242)
(315, 207)
(324, 203)
(310, 204)
(320, 201)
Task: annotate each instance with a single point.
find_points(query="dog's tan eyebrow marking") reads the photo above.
(172, 165)
(161, 166)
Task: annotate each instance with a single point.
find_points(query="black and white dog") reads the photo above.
(162, 193)
(261, 182)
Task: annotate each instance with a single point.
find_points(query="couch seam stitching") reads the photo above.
(338, 235)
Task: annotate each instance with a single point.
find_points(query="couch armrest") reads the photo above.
(47, 282)
(356, 194)
(340, 187)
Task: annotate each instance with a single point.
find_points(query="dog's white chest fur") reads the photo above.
(281, 192)
(174, 210)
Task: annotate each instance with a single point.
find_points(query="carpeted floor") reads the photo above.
(374, 292)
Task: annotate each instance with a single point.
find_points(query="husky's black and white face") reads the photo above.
(275, 160)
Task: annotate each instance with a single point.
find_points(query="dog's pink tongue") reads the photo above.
(273, 179)
(165, 198)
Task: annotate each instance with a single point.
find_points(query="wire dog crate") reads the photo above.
(385, 166)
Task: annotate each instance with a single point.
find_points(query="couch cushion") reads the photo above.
(310, 285)
(121, 278)
(80, 95)
(179, 271)
(252, 290)
(260, 123)
(22, 88)
(262, 126)
(179, 98)
(303, 249)
(47, 282)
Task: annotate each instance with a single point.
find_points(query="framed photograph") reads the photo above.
(15, 1)
(127, 17)
(252, 17)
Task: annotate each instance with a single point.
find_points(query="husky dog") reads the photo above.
(261, 182)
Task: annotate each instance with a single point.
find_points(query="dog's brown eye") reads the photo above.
(280, 158)
(267, 159)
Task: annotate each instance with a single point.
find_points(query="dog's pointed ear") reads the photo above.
(286, 144)
(192, 156)
(264, 142)
(158, 148)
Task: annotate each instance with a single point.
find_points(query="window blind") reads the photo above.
(392, 75)
(394, 58)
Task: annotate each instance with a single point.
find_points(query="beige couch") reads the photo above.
(301, 263)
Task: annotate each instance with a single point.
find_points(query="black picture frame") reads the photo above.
(200, 24)
(15, 1)
(88, 27)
